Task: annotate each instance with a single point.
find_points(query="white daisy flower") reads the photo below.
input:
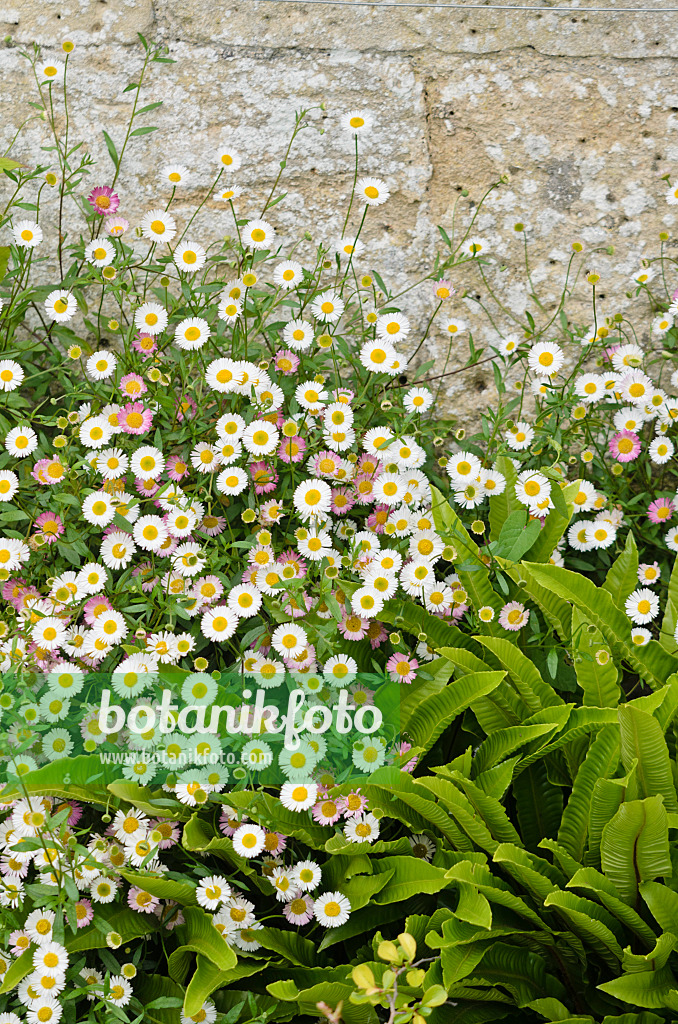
(51, 70)
(9, 484)
(232, 481)
(175, 174)
(229, 158)
(642, 606)
(260, 438)
(219, 623)
(258, 234)
(27, 234)
(312, 498)
(356, 122)
(545, 358)
(100, 252)
(147, 462)
(95, 432)
(101, 365)
(158, 225)
(298, 796)
(332, 909)
(191, 333)
(393, 326)
(248, 840)
(298, 335)
(377, 356)
(418, 400)
(117, 550)
(189, 257)
(372, 191)
(328, 307)
(289, 639)
(288, 275)
(151, 318)
(60, 306)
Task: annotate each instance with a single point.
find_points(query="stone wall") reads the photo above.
(580, 110)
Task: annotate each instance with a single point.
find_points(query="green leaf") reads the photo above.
(652, 989)
(9, 165)
(662, 903)
(600, 763)
(622, 576)
(433, 716)
(18, 970)
(290, 945)
(149, 989)
(198, 935)
(127, 923)
(473, 907)
(523, 673)
(502, 505)
(112, 151)
(163, 888)
(635, 846)
(5, 252)
(593, 925)
(599, 682)
(593, 881)
(143, 131)
(408, 877)
(652, 961)
(651, 661)
(642, 741)
(75, 778)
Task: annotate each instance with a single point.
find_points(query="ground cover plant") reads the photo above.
(224, 471)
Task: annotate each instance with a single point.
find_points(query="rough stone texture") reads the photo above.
(580, 109)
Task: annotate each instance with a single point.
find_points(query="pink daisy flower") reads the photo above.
(441, 286)
(230, 821)
(213, 525)
(142, 901)
(368, 465)
(353, 627)
(661, 510)
(361, 696)
(376, 634)
(342, 500)
(135, 418)
(378, 518)
(353, 804)
(103, 200)
(170, 915)
(292, 449)
(207, 589)
(343, 395)
(148, 488)
(513, 616)
(412, 764)
(299, 606)
(145, 343)
(18, 943)
(49, 471)
(95, 606)
(76, 808)
(186, 406)
(148, 577)
(326, 464)
(271, 512)
(299, 910)
(177, 468)
(401, 668)
(84, 913)
(49, 525)
(133, 385)
(12, 870)
(625, 446)
(274, 842)
(326, 812)
(116, 226)
(264, 476)
(169, 830)
(305, 659)
(294, 561)
(286, 361)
